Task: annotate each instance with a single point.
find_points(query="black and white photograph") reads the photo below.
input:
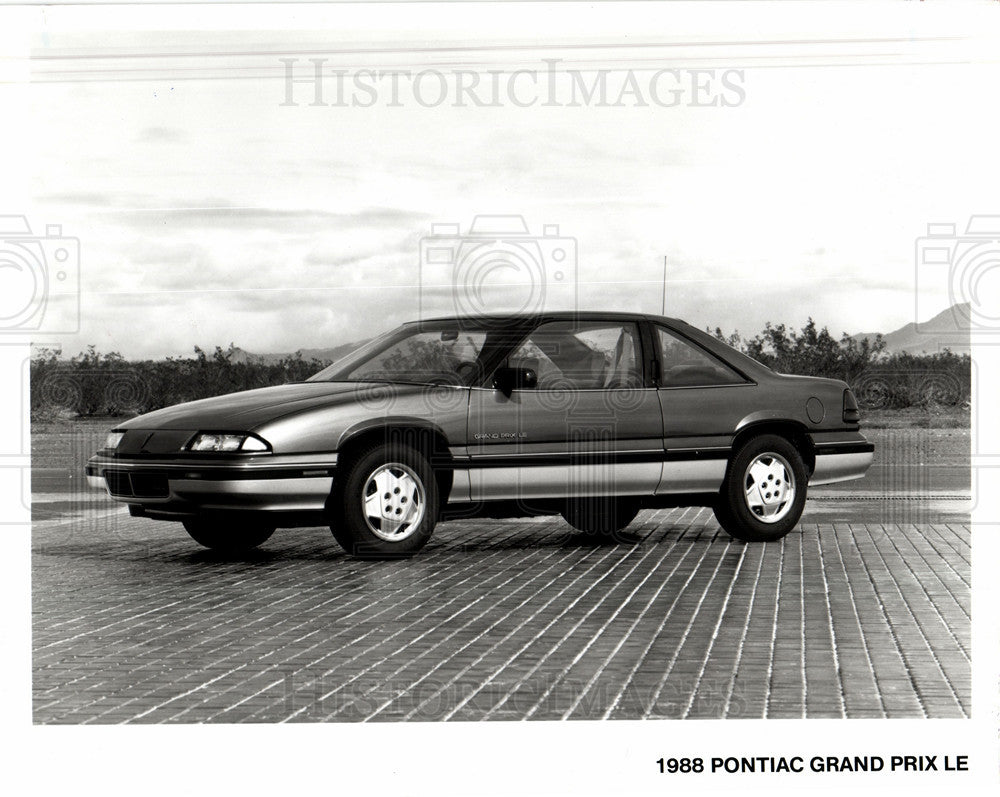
(480, 397)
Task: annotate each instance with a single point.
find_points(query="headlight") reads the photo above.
(209, 441)
(112, 440)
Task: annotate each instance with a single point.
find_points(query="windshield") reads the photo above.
(430, 353)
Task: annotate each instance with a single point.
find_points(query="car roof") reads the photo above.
(557, 315)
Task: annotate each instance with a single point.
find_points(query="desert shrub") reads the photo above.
(907, 380)
(879, 380)
(107, 384)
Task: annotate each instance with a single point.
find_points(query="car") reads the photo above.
(589, 415)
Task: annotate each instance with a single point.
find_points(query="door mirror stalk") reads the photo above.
(507, 380)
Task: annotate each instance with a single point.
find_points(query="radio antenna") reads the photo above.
(663, 309)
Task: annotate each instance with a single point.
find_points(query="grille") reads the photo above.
(137, 485)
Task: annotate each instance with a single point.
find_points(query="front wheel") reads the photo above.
(228, 534)
(764, 491)
(386, 505)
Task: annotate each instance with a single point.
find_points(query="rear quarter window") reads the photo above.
(682, 364)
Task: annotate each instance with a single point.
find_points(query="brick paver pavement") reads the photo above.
(501, 620)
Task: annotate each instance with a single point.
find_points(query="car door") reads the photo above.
(701, 399)
(591, 425)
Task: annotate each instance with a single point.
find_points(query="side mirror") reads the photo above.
(507, 380)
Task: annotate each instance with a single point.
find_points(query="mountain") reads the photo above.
(949, 329)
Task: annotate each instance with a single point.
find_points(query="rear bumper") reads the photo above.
(189, 487)
(842, 461)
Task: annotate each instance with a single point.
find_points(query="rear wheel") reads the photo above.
(764, 492)
(386, 505)
(601, 517)
(228, 534)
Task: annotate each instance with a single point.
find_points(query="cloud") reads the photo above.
(348, 253)
(147, 253)
(257, 320)
(87, 198)
(160, 135)
(233, 217)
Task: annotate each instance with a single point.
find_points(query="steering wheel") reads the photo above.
(460, 376)
(454, 378)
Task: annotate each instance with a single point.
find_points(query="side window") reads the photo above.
(581, 355)
(682, 364)
(447, 356)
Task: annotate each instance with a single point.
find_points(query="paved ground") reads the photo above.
(861, 612)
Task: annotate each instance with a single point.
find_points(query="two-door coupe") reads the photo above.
(590, 415)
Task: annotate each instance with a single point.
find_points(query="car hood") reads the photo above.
(245, 411)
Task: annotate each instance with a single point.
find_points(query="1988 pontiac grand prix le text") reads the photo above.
(590, 415)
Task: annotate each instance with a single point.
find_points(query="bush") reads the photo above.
(879, 380)
(906, 380)
(107, 384)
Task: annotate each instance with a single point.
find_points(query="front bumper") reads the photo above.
(289, 483)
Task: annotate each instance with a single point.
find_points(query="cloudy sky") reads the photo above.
(209, 211)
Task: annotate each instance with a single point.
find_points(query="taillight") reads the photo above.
(851, 412)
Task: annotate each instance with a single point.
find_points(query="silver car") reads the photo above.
(592, 416)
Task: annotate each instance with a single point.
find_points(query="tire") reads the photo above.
(230, 535)
(400, 522)
(601, 518)
(748, 508)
